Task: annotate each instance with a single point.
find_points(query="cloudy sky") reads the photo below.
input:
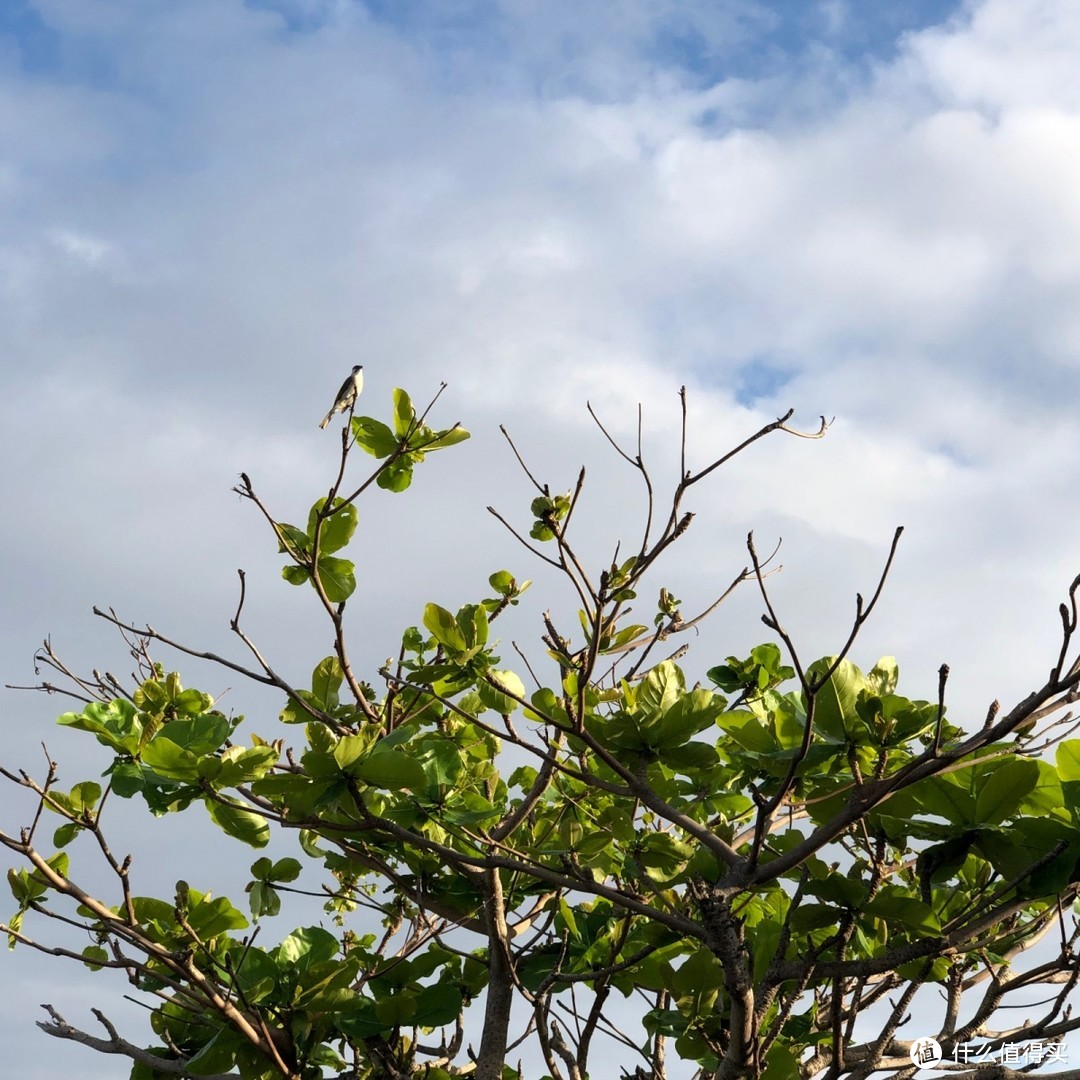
(210, 209)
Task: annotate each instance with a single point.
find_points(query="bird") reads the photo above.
(347, 395)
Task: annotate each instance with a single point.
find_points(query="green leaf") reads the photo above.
(700, 972)
(199, 734)
(1005, 790)
(338, 578)
(239, 823)
(307, 946)
(396, 476)
(496, 699)
(338, 527)
(448, 437)
(404, 413)
(1068, 760)
(444, 628)
(690, 758)
(747, 730)
(392, 770)
(65, 834)
(211, 917)
(285, 870)
(351, 748)
(326, 681)
(117, 724)
(374, 436)
(502, 581)
(781, 1064)
(397, 1010)
(95, 957)
(437, 1005)
(167, 759)
(661, 688)
(292, 540)
(260, 868)
(296, 575)
(322, 983)
(883, 677)
(895, 905)
(566, 912)
(691, 713)
(834, 702)
(241, 765)
(83, 796)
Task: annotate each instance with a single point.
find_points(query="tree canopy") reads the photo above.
(537, 866)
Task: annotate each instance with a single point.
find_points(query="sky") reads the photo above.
(211, 209)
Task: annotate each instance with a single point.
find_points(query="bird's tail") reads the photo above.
(327, 418)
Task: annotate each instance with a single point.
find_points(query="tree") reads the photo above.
(756, 877)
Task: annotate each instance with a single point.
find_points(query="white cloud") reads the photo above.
(81, 247)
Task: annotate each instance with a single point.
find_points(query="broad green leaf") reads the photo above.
(167, 759)
(351, 748)
(216, 1057)
(448, 437)
(1004, 791)
(690, 758)
(239, 823)
(781, 1064)
(947, 797)
(1068, 760)
(392, 770)
(839, 889)
(116, 724)
(211, 917)
(200, 734)
(397, 1010)
(338, 578)
(496, 699)
(307, 946)
(444, 628)
(83, 796)
(242, 765)
(95, 956)
(292, 540)
(321, 979)
(192, 702)
(437, 1005)
(397, 475)
(701, 971)
(689, 714)
(337, 529)
(566, 912)
(883, 677)
(502, 581)
(442, 760)
(285, 870)
(65, 834)
(661, 688)
(748, 731)
(894, 905)
(404, 413)
(326, 681)
(296, 575)
(374, 436)
(834, 702)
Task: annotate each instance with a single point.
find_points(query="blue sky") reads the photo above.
(209, 210)
(749, 39)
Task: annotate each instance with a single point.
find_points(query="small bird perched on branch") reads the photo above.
(347, 395)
